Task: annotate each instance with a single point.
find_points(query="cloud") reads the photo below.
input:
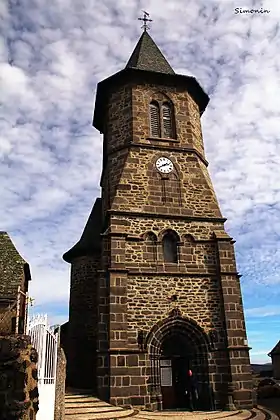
(265, 311)
(259, 353)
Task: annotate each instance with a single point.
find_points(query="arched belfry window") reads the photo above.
(162, 119)
(155, 119)
(170, 247)
(167, 120)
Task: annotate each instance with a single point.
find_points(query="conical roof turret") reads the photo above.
(147, 56)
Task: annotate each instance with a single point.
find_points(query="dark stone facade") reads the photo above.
(275, 359)
(127, 303)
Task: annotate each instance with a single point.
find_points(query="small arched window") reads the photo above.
(161, 119)
(167, 120)
(155, 119)
(151, 246)
(170, 247)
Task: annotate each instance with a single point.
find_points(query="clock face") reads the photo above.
(164, 165)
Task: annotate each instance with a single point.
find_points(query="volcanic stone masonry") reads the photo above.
(154, 285)
(18, 378)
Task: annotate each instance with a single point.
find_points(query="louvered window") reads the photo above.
(154, 119)
(161, 120)
(167, 121)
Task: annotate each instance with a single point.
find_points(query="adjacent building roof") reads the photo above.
(8, 251)
(12, 267)
(147, 56)
(275, 350)
(89, 244)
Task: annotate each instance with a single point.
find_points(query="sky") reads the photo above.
(53, 54)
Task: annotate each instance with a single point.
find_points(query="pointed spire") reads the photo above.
(147, 56)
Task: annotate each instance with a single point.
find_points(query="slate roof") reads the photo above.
(8, 251)
(276, 349)
(89, 243)
(147, 56)
(12, 267)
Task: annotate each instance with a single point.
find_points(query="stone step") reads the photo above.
(245, 414)
(272, 415)
(84, 399)
(91, 409)
(77, 391)
(194, 415)
(83, 406)
(186, 416)
(268, 413)
(258, 414)
(231, 415)
(102, 416)
(80, 396)
(71, 404)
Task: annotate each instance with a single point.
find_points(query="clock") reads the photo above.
(164, 165)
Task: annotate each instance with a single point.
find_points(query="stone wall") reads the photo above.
(59, 409)
(8, 314)
(18, 378)
(81, 340)
(118, 130)
(136, 185)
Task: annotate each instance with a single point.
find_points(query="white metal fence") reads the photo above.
(45, 341)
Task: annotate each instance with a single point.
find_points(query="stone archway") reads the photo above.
(182, 342)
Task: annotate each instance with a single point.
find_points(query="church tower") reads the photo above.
(154, 287)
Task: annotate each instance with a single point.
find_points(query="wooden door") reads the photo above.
(166, 379)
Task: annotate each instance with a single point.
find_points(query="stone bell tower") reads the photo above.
(154, 286)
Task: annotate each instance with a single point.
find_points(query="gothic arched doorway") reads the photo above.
(175, 346)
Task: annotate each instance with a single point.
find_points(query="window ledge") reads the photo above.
(163, 139)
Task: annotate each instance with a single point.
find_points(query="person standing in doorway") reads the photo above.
(191, 390)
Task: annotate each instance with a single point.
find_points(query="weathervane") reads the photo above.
(145, 20)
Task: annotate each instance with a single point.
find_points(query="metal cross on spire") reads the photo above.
(145, 20)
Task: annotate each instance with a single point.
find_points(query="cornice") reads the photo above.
(167, 216)
(160, 147)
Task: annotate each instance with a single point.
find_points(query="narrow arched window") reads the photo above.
(167, 120)
(155, 119)
(169, 246)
